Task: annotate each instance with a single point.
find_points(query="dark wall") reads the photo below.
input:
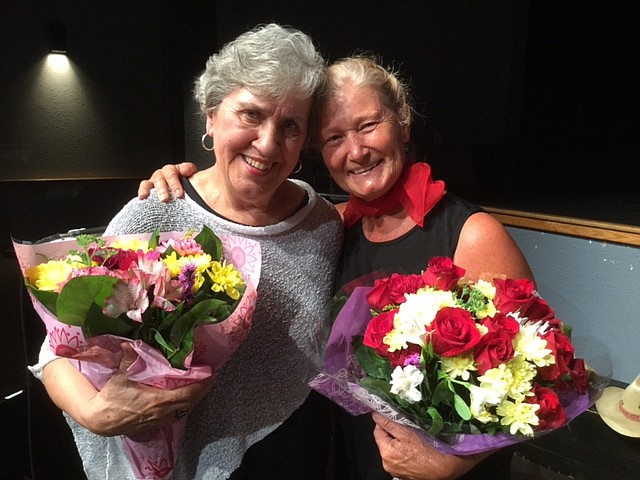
(525, 105)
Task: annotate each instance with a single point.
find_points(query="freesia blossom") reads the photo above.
(405, 382)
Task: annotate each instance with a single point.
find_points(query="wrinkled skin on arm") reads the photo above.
(122, 407)
(405, 455)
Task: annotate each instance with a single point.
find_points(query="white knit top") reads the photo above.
(266, 378)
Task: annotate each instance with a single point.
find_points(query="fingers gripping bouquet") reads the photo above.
(473, 365)
(183, 300)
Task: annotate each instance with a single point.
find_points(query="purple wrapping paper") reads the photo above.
(339, 382)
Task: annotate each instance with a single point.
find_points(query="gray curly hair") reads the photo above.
(269, 60)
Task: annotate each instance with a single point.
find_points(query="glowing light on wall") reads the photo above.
(58, 63)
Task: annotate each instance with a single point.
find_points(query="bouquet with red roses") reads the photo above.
(473, 366)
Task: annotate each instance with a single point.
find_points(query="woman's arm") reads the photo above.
(486, 250)
(405, 455)
(122, 407)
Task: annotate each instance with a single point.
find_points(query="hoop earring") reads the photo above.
(204, 145)
(299, 169)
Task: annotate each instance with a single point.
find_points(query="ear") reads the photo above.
(210, 122)
(406, 133)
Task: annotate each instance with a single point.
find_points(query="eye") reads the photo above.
(250, 116)
(333, 140)
(368, 126)
(291, 129)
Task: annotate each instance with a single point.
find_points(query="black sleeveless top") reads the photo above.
(358, 457)
(411, 252)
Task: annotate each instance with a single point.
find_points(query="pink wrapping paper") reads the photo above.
(152, 455)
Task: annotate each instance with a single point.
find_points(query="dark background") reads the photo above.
(529, 105)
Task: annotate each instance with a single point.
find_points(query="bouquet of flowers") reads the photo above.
(473, 366)
(183, 300)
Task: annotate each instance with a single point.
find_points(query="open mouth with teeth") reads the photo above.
(366, 169)
(263, 167)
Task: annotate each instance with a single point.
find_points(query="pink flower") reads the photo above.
(128, 297)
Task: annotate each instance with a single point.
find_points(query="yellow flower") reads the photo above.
(134, 244)
(175, 264)
(226, 279)
(48, 276)
(518, 416)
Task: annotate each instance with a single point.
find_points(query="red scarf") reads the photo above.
(415, 190)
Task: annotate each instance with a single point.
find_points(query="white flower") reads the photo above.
(488, 289)
(459, 366)
(522, 375)
(404, 382)
(481, 400)
(518, 416)
(414, 315)
(533, 348)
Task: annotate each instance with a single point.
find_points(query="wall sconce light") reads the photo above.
(58, 38)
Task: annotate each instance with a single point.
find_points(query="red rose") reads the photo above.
(406, 356)
(539, 310)
(513, 295)
(493, 349)
(579, 375)
(500, 322)
(551, 414)
(442, 273)
(453, 331)
(392, 290)
(122, 260)
(562, 349)
(377, 328)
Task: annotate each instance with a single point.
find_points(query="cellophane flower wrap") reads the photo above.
(184, 300)
(472, 366)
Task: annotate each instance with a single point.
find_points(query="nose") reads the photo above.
(268, 139)
(356, 152)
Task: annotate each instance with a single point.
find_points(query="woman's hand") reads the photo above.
(167, 179)
(405, 455)
(122, 407)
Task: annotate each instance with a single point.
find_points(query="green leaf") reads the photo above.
(372, 364)
(97, 323)
(154, 240)
(178, 357)
(200, 311)
(461, 407)
(48, 299)
(377, 385)
(79, 294)
(209, 242)
(436, 418)
(442, 394)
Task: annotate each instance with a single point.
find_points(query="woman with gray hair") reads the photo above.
(256, 94)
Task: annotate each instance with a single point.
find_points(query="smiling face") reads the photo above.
(257, 142)
(362, 142)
